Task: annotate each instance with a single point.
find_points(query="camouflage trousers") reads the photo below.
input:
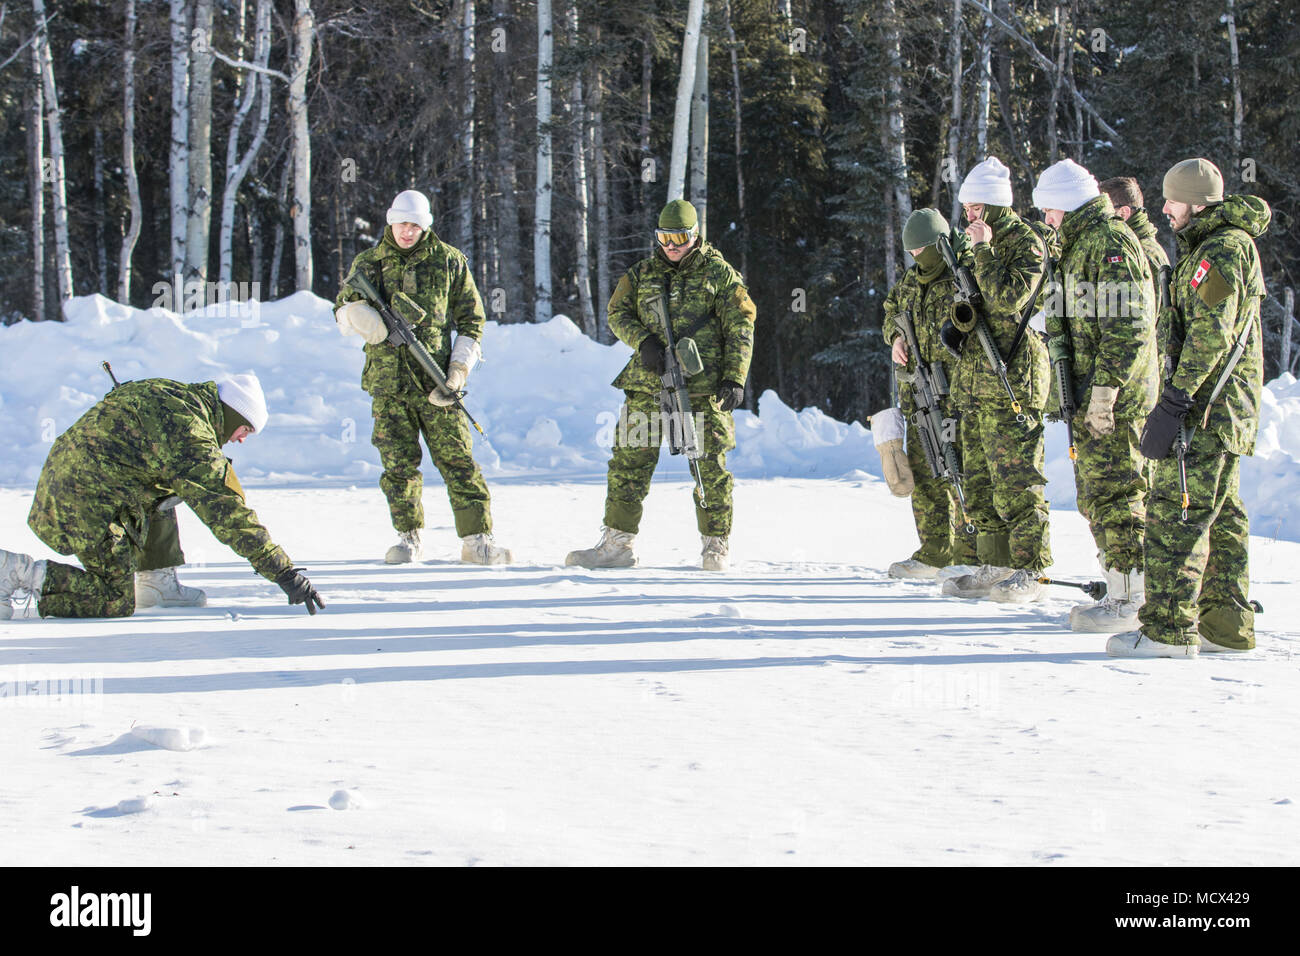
(1198, 570)
(399, 423)
(106, 586)
(641, 430)
(939, 523)
(1006, 487)
(1111, 479)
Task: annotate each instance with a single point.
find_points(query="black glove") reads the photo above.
(729, 396)
(652, 355)
(952, 338)
(1164, 422)
(293, 583)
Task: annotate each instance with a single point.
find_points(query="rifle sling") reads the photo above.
(1033, 299)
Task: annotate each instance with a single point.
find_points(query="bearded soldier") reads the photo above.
(925, 293)
(1002, 449)
(428, 283)
(118, 472)
(1126, 196)
(708, 305)
(1211, 347)
(1104, 321)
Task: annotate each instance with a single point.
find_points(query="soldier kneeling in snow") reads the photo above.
(107, 491)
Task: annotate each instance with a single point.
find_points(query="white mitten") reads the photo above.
(887, 431)
(360, 318)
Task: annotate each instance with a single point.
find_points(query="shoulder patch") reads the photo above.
(1116, 258)
(1211, 285)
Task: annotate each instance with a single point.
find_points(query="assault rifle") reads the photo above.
(929, 386)
(675, 400)
(968, 316)
(1059, 350)
(400, 334)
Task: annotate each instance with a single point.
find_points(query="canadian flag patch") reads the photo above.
(1202, 270)
(1114, 259)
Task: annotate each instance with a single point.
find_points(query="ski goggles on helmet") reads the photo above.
(676, 237)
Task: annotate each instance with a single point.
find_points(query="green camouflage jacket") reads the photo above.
(1007, 271)
(707, 301)
(431, 287)
(142, 443)
(1145, 230)
(1103, 299)
(1216, 290)
(931, 305)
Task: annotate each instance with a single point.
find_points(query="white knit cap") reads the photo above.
(989, 183)
(1065, 185)
(411, 205)
(244, 394)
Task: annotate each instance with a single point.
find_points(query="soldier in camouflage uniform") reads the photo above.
(1211, 341)
(1102, 316)
(112, 476)
(707, 302)
(429, 284)
(1126, 196)
(1003, 457)
(926, 293)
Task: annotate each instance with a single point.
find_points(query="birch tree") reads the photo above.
(258, 84)
(57, 176)
(198, 227)
(898, 196)
(304, 31)
(542, 203)
(36, 184)
(699, 152)
(467, 26)
(685, 91)
(582, 251)
(179, 199)
(131, 234)
(955, 113)
(510, 274)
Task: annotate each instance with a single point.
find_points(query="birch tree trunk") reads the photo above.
(304, 30)
(180, 146)
(277, 242)
(132, 232)
(198, 229)
(237, 167)
(1288, 310)
(699, 154)
(582, 252)
(101, 216)
(685, 90)
(466, 209)
(985, 54)
(542, 197)
(57, 177)
(510, 275)
(647, 77)
(1238, 110)
(1062, 19)
(36, 184)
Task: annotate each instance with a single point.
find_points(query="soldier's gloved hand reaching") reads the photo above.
(1164, 422)
(729, 396)
(293, 583)
(651, 351)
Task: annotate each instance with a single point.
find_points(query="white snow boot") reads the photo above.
(160, 588)
(713, 556)
(1137, 644)
(956, 571)
(1020, 587)
(1118, 610)
(481, 549)
(614, 550)
(18, 572)
(407, 549)
(912, 568)
(975, 585)
(1207, 647)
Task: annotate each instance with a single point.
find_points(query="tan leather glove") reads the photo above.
(359, 318)
(1100, 418)
(457, 372)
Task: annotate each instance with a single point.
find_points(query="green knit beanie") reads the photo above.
(1196, 182)
(923, 228)
(678, 215)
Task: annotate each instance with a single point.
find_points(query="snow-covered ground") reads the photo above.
(799, 709)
